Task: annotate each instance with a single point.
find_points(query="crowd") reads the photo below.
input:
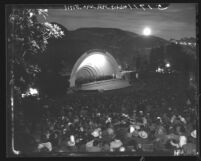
(155, 121)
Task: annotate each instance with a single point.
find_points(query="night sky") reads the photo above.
(176, 22)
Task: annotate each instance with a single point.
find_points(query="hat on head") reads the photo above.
(116, 144)
(137, 127)
(132, 129)
(143, 134)
(96, 132)
(193, 133)
(110, 131)
(121, 149)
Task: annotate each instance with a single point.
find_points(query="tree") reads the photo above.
(156, 58)
(27, 39)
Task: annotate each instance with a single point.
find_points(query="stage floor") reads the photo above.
(105, 85)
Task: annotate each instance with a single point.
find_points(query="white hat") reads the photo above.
(188, 102)
(121, 149)
(193, 133)
(132, 129)
(116, 144)
(90, 143)
(47, 145)
(110, 131)
(125, 115)
(69, 123)
(71, 143)
(108, 120)
(96, 132)
(143, 134)
(137, 127)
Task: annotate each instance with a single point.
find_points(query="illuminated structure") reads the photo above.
(94, 64)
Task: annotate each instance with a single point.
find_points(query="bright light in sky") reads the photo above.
(146, 31)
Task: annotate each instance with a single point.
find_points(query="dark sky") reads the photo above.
(176, 22)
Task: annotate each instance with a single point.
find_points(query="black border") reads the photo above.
(3, 59)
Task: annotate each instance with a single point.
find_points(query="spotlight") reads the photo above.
(167, 65)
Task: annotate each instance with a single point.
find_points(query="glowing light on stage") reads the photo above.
(146, 31)
(122, 149)
(31, 91)
(167, 65)
(94, 60)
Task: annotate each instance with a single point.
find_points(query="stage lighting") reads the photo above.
(167, 65)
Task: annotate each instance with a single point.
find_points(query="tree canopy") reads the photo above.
(27, 38)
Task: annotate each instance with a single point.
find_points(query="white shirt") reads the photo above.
(47, 145)
(90, 143)
(115, 144)
(182, 141)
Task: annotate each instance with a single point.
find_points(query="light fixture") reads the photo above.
(167, 65)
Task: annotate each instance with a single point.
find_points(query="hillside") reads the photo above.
(123, 45)
(127, 48)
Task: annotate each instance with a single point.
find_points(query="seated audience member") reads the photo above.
(93, 146)
(43, 146)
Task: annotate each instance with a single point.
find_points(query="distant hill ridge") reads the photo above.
(125, 46)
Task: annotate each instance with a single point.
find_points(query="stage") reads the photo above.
(105, 85)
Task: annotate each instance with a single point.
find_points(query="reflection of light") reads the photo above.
(160, 70)
(31, 14)
(137, 75)
(122, 149)
(167, 65)
(12, 101)
(94, 60)
(33, 91)
(23, 95)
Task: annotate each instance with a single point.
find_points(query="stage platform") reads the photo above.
(105, 85)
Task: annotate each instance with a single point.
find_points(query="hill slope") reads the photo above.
(123, 45)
